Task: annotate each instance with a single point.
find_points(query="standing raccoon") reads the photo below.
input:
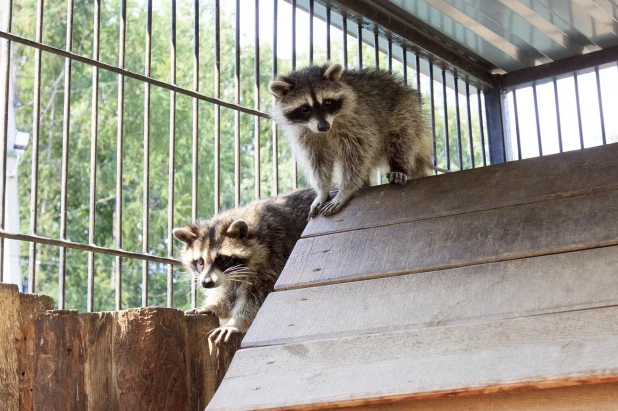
(239, 253)
(351, 121)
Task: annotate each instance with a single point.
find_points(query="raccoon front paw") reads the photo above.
(397, 177)
(316, 206)
(333, 205)
(200, 310)
(216, 336)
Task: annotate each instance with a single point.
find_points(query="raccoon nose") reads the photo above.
(323, 126)
(208, 283)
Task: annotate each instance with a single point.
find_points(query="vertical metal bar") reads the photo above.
(237, 101)
(458, 122)
(432, 101)
(6, 52)
(558, 125)
(472, 164)
(93, 154)
(294, 163)
(446, 136)
(480, 109)
(376, 48)
(538, 123)
(64, 174)
(311, 11)
(418, 72)
(171, 158)
(345, 41)
(404, 61)
(495, 126)
(119, 150)
(359, 33)
(146, 176)
(275, 142)
(596, 70)
(195, 135)
(293, 34)
(217, 125)
(517, 135)
(327, 33)
(256, 98)
(579, 114)
(389, 56)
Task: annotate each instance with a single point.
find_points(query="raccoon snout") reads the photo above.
(323, 126)
(207, 282)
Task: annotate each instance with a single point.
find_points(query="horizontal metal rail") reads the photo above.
(127, 73)
(33, 238)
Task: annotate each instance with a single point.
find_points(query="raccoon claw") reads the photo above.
(199, 310)
(331, 207)
(216, 336)
(316, 206)
(396, 177)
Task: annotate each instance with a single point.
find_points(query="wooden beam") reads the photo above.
(509, 233)
(519, 182)
(510, 289)
(10, 332)
(554, 350)
(564, 67)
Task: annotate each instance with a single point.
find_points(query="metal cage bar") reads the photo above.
(311, 13)
(275, 140)
(404, 62)
(517, 136)
(432, 100)
(172, 159)
(558, 123)
(446, 136)
(237, 101)
(93, 154)
(328, 25)
(195, 134)
(538, 122)
(146, 176)
(217, 114)
(256, 99)
(294, 162)
(359, 34)
(6, 68)
(64, 175)
(458, 123)
(482, 131)
(601, 116)
(119, 151)
(579, 113)
(470, 139)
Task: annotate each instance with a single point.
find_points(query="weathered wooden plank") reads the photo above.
(509, 289)
(30, 306)
(592, 397)
(148, 354)
(10, 332)
(59, 362)
(97, 331)
(518, 182)
(201, 365)
(542, 351)
(503, 234)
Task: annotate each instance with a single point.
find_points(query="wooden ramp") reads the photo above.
(494, 288)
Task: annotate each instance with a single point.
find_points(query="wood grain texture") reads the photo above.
(30, 306)
(97, 331)
(148, 354)
(590, 397)
(509, 289)
(519, 182)
(59, 362)
(543, 351)
(10, 332)
(496, 235)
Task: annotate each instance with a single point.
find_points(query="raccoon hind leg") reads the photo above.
(408, 156)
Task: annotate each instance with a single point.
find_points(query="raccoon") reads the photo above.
(349, 123)
(238, 255)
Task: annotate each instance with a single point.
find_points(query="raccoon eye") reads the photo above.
(327, 103)
(199, 264)
(304, 109)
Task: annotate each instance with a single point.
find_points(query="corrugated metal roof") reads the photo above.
(515, 34)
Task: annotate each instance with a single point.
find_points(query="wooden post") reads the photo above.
(30, 306)
(149, 363)
(10, 332)
(497, 128)
(59, 361)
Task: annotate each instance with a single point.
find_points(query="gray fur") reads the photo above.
(262, 234)
(380, 125)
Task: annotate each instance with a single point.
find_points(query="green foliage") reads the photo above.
(51, 131)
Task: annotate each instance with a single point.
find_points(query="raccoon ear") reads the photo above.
(280, 88)
(333, 72)
(184, 234)
(238, 229)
